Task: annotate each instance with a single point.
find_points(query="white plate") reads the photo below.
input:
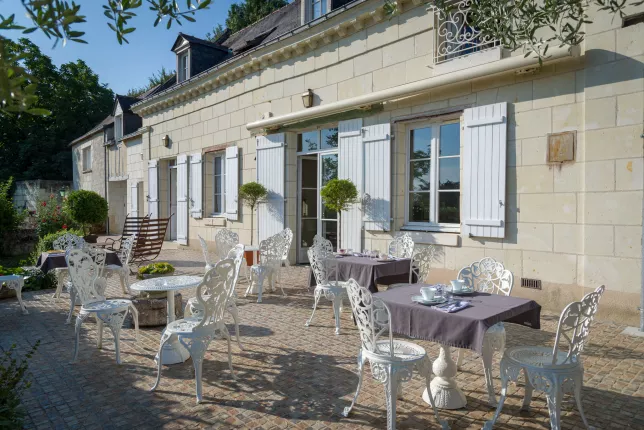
(385, 260)
(463, 292)
(422, 301)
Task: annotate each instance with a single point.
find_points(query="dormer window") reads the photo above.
(184, 66)
(318, 8)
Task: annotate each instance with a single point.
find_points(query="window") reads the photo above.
(218, 185)
(317, 140)
(184, 66)
(318, 8)
(434, 176)
(87, 158)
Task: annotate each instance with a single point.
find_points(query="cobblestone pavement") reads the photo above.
(289, 376)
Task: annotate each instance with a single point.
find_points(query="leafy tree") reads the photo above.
(86, 208)
(216, 33)
(37, 147)
(10, 217)
(338, 195)
(533, 25)
(157, 78)
(249, 12)
(251, 193)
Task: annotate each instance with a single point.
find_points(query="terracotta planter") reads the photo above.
(249, 256)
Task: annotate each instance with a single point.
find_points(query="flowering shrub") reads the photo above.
(52, 217)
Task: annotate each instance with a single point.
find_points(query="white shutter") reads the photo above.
(134, 199)
(182, 199)
(350, 161)
(153, 188)
(232, 182)
(270, 173)
(484, 153)
(377, 177)
(196, 186)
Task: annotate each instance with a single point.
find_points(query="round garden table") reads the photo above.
(173, 351)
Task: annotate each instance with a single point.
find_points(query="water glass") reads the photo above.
(375, 253)
(365, 252)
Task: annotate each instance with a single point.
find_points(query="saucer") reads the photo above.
(463, 292)
(434, 301)
(384, 260)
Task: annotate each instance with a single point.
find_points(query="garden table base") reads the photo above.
(15, 282)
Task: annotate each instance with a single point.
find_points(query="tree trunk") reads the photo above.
(339, 231)
(252, 214)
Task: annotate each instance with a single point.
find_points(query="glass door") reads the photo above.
(328, 227)
(307, 205)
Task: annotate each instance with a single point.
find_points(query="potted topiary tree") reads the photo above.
(86, 208)
(251, 193)
(339, 195)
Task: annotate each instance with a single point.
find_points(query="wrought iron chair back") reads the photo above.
(421, 263)
(402, 246)
(204, 250)
(270, 251)
(213, 293)
(68, 241)
(322, 264)
(574, 326)
(84, 272)
(99, 256)
(286, 237)
(237, 255)
(225, 240)
(372, 317)
(125, 251)
(487, 276)
(319, 241)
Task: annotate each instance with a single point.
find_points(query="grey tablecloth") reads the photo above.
(47, 261)
(369, 273)
(462, 329)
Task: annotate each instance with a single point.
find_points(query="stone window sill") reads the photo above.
(433, 237)
(87, 171)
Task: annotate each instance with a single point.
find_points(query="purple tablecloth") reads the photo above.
(369, 273)
(47, 261)
(462, 329)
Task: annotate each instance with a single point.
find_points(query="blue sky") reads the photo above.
(120, 66)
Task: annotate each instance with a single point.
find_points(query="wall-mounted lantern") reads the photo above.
(307, 98)
(166, 141)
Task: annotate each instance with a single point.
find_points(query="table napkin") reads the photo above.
(454, 307)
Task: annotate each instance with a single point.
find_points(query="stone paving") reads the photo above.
(289, 376)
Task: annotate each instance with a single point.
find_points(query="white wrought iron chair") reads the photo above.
(194, 308)
(554, 371)
(322, 264)
(319, 241)
(270, 260)
(83, 272)
(287, 239)
(225, 240)
(488, 276)
(392, 361)
(420, 265)
(195, 334)
(124, 252)
(98, 256)
(402, 246)
(65, 243)
(206, 254)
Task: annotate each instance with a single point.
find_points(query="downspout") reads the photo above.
(642, 274)
(408, 90)
(107, 221)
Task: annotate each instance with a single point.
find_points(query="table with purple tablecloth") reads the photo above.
(462, 329)
(53, 260)
(369, 273)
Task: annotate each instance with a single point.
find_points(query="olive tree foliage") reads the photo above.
(59, 20)
(531, 25)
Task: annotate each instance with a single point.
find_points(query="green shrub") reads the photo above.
(10, 217)
(35, 279)
(13, 382)
(86, 208)
(52, 216)
(156, 269)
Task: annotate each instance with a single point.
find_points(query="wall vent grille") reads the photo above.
(534, 284)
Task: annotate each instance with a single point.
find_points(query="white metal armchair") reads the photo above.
(66, 243)
(271, 252)
(124, 252)
(225, 240)
(488, 276)
(322, 262)
(98, 256)
(194, 333)
(420, 265)
(194, 308)
(402, 246)
(392, 361)
(554, 371)
(83, 272)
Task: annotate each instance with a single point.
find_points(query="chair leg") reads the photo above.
(79, 321)
(554, 406)
(316, 299)
(72, 303)
(99, 335)
(187, 312)
(164, 339)
(59, 283)
(115, 323)
(425, 369)
(135, 317)
(527, 397)
(251, 279)
(197, 352)
(459, 358)
(337, 302)
(226, 334)
(18, 289)
(504, 390)
(488, 357)
(260, 285)
(232, 310)
(122, 276)
(391, 392)
(347, 409)
(579, 382)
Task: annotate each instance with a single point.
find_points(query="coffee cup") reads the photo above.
(457, 285)
(428, 293)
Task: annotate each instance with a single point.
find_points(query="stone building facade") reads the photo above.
(463, 148)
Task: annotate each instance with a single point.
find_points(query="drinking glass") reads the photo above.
(365, 252)
(375, 253)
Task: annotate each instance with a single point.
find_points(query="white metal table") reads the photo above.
(15, 282)
(173, 351)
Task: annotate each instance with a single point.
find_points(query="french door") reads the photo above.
(314, 172)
